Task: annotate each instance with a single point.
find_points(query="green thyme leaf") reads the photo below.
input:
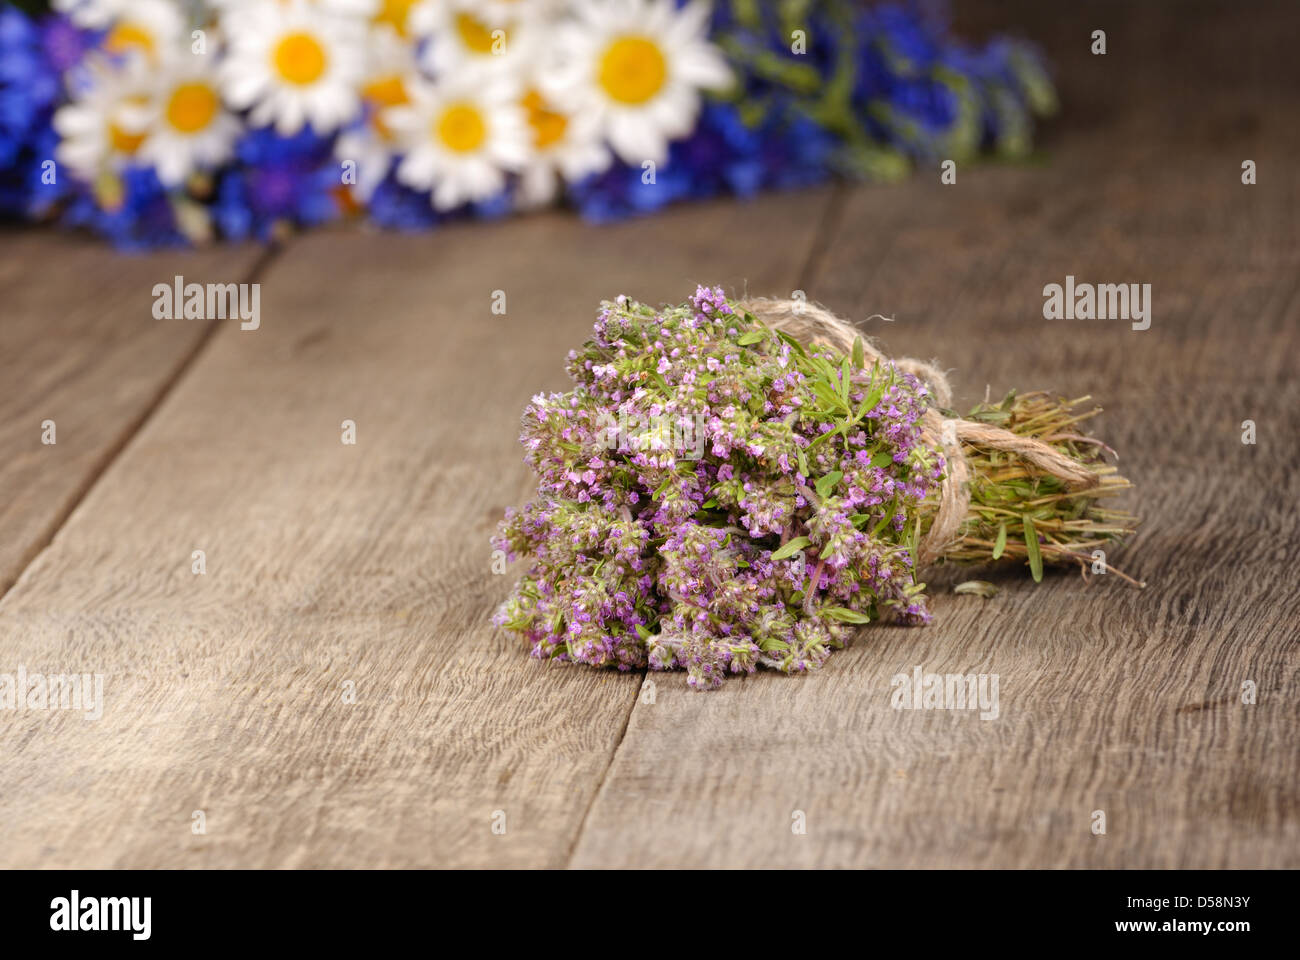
(859, 360)
(752, 337)
(845, 615)
(827, 483)
(1000, 544)
(821, 437)
(795, 345)
(870, 400)
(791, 548)
(884, 521)
(825, 394)
(1031, 547)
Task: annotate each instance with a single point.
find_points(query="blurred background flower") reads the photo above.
(166, 121)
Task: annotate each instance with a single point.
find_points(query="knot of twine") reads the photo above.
(811, 323)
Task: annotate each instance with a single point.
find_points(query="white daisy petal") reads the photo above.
(636, 141)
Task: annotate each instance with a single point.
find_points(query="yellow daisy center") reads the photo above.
(633, 69)
(475, 34)
(548, 125)
(122, 140)
(461, 128)
(192, 107)
(389, 91)
(299, 58)
(125, 36)
(394, 13)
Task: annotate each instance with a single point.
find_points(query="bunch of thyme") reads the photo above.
(714, 495)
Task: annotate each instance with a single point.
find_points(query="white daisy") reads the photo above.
(186, 125)
(294, 63)
(151, 28)
(564, 145)
(638, 67)
(463, 43)
(98, 128)
(459, 138)
(390, 74)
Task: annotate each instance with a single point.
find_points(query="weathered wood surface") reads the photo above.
(1111, 699)
(330, 564)
(79, 346)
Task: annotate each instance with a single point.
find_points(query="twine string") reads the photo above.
(811, 323)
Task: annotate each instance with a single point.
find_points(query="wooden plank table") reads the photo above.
(330, 693)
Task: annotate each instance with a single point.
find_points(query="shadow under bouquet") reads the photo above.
(735, 484)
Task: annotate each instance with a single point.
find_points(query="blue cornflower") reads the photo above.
(277, 180)
(395, 206)
(29, 86)
(140, 218)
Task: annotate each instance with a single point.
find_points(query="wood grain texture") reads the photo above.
(329, 563)
(79, 346)
(1111, 699)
